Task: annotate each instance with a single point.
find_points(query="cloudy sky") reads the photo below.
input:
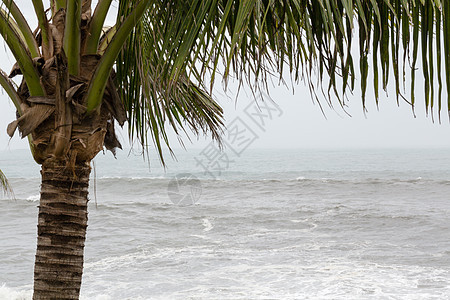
(298, 123)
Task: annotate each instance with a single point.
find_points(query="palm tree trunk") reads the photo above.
(62, 224)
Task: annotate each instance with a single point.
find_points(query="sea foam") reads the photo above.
(7, 293)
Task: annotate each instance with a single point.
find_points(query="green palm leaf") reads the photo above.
(152, 98)
(253, 40)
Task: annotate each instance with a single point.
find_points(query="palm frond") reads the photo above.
(184, 44)
(23, 27)
(22, 55)
(152, 99)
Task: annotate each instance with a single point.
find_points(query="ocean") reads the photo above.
(260, 224)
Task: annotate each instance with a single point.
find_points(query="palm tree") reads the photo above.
(158, 64)
(67, 104)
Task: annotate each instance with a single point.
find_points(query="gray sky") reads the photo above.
(301, 124)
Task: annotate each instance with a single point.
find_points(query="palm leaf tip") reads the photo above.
(4, 184)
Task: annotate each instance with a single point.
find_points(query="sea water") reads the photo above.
(267, 224)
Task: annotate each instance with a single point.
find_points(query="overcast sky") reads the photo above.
(299, 123)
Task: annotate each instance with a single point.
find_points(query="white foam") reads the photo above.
(311, 225)
(34, 198)
(207, 224)
(97, 297)
(7, 293)
(203, 237)
(250, 274)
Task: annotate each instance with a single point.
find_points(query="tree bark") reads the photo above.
(62, 224)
